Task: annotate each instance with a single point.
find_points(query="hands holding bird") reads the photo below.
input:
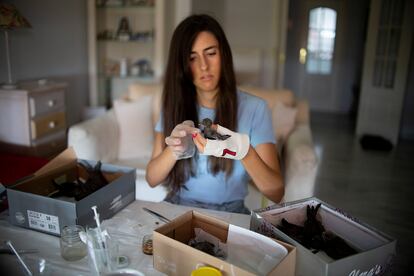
(212, 140)
(220, 141)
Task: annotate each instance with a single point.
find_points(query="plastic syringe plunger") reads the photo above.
(96, 217)
(100, 236)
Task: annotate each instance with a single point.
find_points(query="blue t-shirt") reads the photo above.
(254, 119)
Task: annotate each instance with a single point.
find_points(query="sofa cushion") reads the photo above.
(143, 191)
(302, 117)
(283, 121)
(271, 96)
(96, 138)
(301, 164)
(140, 163)
(138, 90)
(135, 127)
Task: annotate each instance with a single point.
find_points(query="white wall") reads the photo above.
(215, 8)
(55, 47)
(252, 30)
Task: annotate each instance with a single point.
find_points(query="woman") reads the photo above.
(200, 83)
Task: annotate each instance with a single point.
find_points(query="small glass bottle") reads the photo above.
(147, 244)
(71, 246)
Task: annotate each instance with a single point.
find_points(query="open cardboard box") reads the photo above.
(375, 250)
(173, 256)
(31, 206)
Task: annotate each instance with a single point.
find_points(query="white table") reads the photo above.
(128, 227)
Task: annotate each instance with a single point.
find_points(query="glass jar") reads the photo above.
(71, 246)
(147, 244)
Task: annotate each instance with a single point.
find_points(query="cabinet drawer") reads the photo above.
(46, 102)
(48, 124)
(50, 145)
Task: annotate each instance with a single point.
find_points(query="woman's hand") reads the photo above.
(180, 141)
(235, 146)
(261, 163)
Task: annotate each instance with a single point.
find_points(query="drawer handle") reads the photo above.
(51, 103)
(52, 124)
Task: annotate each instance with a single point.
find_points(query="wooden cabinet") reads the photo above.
(33, 119)
(124, 40)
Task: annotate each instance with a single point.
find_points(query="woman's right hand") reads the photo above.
(180, 141)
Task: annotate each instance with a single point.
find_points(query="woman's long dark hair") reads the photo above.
(179, 100)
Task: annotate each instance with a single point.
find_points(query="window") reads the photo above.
(321, 40)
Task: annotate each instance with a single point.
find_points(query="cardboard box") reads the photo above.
(30, 205)
(173, 256)
(376, 250)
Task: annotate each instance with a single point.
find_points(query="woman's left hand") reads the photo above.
(234, 147)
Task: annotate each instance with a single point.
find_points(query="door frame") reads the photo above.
(367, 123)
(338, 6)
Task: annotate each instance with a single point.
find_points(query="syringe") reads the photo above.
(101, 237)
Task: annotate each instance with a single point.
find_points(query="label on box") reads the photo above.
(43, 222)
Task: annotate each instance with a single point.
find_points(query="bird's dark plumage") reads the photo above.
(209, 132)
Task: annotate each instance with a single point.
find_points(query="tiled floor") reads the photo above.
(375, 187)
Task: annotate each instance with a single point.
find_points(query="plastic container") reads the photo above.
(206, 271)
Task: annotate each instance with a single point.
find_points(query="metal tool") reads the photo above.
(147, 239)
(23, 251)
(28, 272)
(155, 214)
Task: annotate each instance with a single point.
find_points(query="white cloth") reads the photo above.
(234, 147)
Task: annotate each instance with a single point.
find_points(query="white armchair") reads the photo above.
(124, 136)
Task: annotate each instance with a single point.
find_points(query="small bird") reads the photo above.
(80, 189)
(209, 132)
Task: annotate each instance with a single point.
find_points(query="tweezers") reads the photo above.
(155, 214)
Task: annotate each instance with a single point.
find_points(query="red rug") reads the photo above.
(14, 167)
